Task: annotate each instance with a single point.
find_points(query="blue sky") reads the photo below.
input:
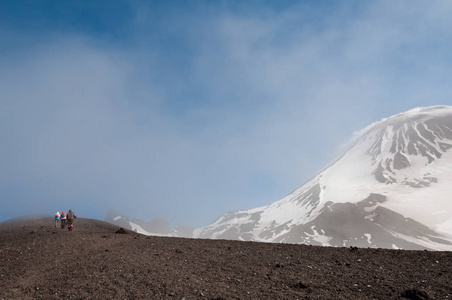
(184, 110)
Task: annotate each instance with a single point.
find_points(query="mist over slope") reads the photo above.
(158, 227)
(390, 189)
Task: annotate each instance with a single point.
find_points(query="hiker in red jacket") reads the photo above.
(70, 220)
(63, 219)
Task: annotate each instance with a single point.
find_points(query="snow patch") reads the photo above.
(319, 237)
(138, 228)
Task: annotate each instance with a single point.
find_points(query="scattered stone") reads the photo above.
(414, 294)
(121, 231)
(300, 285)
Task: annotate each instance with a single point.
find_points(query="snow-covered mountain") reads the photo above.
(156, 227)
(392, 188)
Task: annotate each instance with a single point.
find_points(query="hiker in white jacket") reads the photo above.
(57, 219)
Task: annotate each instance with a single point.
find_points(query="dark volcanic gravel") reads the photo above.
(93, 261)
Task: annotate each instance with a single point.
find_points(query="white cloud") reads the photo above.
(259, 104)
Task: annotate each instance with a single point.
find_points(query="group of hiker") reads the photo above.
(65, 220)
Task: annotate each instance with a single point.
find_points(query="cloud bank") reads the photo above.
(206, 108)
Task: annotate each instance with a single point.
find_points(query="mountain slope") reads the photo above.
(392, 188)
(98, 261)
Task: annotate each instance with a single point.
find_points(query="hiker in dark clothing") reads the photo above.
(70, 220)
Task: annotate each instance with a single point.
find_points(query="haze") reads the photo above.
(183, 110)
